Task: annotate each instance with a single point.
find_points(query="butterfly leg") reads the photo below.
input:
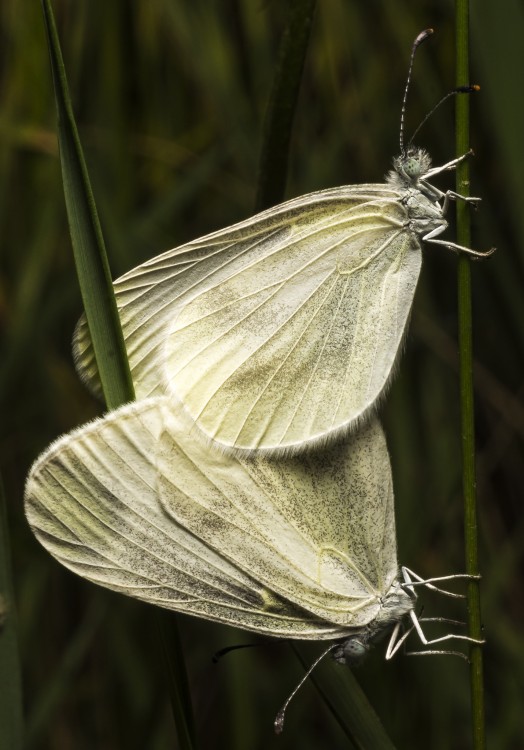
(451, 195)
(430, 237)
(396, 640)
(449, 165)
(411, 579)
(449, 636)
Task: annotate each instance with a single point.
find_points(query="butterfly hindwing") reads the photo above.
(300, 525)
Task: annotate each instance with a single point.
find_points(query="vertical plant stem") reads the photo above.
(466, 382)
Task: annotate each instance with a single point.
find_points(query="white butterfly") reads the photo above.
(302, 547)
(282, 331)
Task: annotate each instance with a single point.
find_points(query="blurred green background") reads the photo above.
(170, 100)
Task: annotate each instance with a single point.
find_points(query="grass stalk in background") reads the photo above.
(349, 705)
(170, 102)
(47, 705)
(278, 123)
(176, 674)
(102, 315)
(11, 719)
(466, 382)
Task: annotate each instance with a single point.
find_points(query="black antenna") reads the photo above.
(418, 41)
(227, 650)
(459, 90)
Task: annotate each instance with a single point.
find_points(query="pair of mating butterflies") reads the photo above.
(226, 490)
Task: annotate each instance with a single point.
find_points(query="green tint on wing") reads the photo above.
(302, 547)
(91, 500)
(318, 529)
(298, 345)
(279, 330)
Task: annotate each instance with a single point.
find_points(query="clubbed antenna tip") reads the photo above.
(422, 38)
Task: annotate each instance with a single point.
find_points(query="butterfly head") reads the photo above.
(352, 650)
(409, 167)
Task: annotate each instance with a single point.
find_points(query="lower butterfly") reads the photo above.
(302, 547)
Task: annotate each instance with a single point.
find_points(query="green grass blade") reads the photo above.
(278, 123)
(466, 384)
(86, 235)
(177, 679)
(11, 720)
(62, 681)
(349, 705)
(99, 302)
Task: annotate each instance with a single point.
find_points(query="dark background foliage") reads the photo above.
(170, 100)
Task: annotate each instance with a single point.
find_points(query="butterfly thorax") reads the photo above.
(420, 198)
(396, 603)
(393, 606)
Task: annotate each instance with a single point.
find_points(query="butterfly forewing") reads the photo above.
(91, 500)
(131, 503)
(304, 357)
(279, 331)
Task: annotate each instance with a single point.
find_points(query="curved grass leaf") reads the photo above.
(99, 303)
(86, 236)
(348, 704)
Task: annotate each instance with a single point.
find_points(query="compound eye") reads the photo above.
(350, 651)
(412, 167)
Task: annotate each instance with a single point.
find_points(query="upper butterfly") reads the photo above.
(282, 331)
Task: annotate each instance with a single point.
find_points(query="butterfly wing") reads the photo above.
(130, 503)
(318, 529)
(91, 500)
(278, 331)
